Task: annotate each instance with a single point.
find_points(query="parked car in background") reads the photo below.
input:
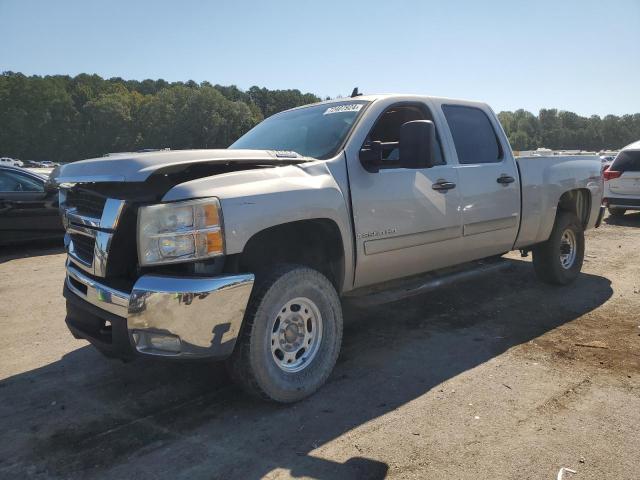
(622, 181)
(31, 164)
(10, 162)
(39, 164)
(48, 164)
(28, 207)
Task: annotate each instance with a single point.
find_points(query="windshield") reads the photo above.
(317, 131)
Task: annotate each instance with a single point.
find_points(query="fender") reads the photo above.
(253, 200)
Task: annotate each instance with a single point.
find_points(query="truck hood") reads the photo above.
(137, 167)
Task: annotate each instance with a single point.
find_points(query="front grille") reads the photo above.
(86, 202)
(83, 247)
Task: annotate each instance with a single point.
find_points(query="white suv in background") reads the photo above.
(10, 162)
(622, 181)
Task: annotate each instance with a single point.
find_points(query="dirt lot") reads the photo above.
(500, 377)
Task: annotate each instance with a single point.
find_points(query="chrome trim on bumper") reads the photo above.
(109, 299)
(204, 313)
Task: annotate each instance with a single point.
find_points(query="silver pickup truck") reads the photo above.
(244, 253)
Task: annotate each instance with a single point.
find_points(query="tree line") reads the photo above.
(64, 118)
(562, 130)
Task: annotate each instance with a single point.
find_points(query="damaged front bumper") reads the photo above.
(182, 317)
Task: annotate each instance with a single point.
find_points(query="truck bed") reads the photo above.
(543, 180)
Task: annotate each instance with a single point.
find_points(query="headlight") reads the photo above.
(179, 232)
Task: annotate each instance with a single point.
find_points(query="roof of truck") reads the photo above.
(377, 96)
(400, 96)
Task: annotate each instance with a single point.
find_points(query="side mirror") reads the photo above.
(417, 144)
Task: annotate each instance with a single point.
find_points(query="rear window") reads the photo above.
(627, 161)
(473, 135)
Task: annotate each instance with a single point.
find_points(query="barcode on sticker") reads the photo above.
(352, 107)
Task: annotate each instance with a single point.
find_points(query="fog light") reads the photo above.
(161, 342)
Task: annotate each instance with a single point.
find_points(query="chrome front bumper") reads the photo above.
(173, 316)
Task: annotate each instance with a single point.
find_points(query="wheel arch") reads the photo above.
(316, 243)
(577, 201)
(539, 221)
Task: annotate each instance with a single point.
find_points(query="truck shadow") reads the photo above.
(85, 416)
(35, 248)
(626, 220)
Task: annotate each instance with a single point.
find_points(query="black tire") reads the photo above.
(546, 256)
(253, 364)
(616, 212)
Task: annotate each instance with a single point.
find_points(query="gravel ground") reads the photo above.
(498, 377)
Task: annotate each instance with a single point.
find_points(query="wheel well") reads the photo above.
(577, 201)
(315, 243)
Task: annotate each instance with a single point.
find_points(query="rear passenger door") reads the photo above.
(488, 179)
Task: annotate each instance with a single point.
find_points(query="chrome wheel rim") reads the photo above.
(568, 249)
(295, 334)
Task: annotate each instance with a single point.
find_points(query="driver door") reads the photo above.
(404, 222)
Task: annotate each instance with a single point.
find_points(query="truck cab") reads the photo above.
(462, 205)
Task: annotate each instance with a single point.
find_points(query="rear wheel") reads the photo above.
(559, 259)
(616, 212)
(291, 337)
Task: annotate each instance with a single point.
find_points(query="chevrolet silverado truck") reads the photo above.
(245, 253)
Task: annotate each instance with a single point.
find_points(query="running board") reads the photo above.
(399, 289)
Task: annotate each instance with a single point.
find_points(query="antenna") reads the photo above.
(355, 93)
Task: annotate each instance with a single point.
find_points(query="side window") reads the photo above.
(387, 129)
(6, 185)
(15, 182)
(473, 135)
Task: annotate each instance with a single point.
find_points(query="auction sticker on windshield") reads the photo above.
(352, 107)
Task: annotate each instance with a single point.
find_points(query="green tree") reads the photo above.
(519, 140)
(109, 124)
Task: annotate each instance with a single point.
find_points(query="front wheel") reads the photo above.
(559, 259)
(291, 337)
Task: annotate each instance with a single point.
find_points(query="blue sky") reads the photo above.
(577, 55)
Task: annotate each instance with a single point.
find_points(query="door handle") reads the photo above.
(443, 186)
(505, 179)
